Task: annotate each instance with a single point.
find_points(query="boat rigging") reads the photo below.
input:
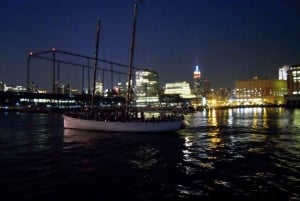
(112, 120)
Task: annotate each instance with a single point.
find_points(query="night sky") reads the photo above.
(229, 39)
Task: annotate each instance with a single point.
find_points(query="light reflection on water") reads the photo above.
(224, 143)
(246, 152)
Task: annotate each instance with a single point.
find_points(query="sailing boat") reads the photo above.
(127, 120)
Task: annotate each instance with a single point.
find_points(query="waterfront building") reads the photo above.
(179, 88)
(258, 91)
(10, 88)
(178, 94)
(146, 87)
(18, 88)
(41, 91)
(283, 71)
(293, 84)
(218, 97)
(293, 80)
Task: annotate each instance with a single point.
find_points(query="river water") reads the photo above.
(242, 154)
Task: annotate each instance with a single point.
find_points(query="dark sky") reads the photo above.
(230, 39)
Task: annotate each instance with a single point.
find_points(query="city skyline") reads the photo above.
(229, 40)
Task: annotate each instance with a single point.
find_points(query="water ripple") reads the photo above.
(223, 154)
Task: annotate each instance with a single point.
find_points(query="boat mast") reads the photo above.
(96, 60)
(129, 88)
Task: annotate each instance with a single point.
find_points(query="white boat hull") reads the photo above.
(111, 126)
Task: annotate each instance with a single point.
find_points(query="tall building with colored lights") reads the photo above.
(197, 81)
(283, 71)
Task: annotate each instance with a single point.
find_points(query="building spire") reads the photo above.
(197, 73)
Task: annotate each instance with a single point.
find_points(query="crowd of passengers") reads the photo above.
(122, 117)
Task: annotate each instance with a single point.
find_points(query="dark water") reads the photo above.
(242, 154)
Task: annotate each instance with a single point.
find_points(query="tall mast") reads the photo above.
(96, 60)
(129, 89)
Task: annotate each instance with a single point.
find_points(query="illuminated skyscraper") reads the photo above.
(283, 72)
(99, 87)
(197, 81)
(197, 73)
(147, 87)
(293, 86)
(293, 78)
